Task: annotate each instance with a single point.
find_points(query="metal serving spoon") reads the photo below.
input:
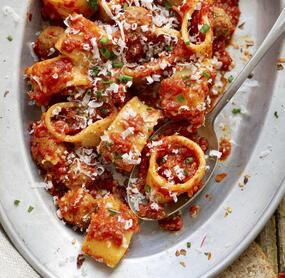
(208, 130)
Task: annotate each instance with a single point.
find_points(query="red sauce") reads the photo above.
(172, 223)
(119, 145)
(149, 212)
(80, 260)
(135, 122)
(69, 44)
(172, 157)
(52, 78)
(225, 148)
(194, 210)
(174, 95)
(106, 226)
(219, 47)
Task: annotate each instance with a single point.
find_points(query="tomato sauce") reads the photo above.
(172, 223)
(194, 210)
(106, 226)
(225, 148)
(219, 46)
(176, 164)
(220, 177)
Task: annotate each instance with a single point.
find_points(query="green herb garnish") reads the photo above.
(107, 81)
(205, 28)
(17, 202)
(9, 38)
(104, 110)
(167, 5)
(230, 79)
(147, 188)
(30, 209)
(93, 4)
(98, 94)
(187, 42)
(106, 53)
(189, 159)
(125, 78)
(276, 115)
(236, 111)
(104, 40)
(168, 48)
(117, 64)
(206, 74)
(94, 71)
(188, 244)
(113, 211)
(180, 98)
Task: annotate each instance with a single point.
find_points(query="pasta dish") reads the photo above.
(110, 73)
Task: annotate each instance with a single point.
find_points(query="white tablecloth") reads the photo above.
(11, 262)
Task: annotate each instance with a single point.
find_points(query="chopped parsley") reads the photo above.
(163, 160)
(188, 244)
(124, 78)
(167, 5)
(187, 42)
(168, 48)
(104, 110)
(230, 79)
(9, 38)
(116, 154)
(94, 71)
(276, 115)
(236, 111)
(17, 202)
(88, 92)
(106, 53)
(147, 188)
(117, 64)
(113, 211)
(104, 40)
(98, 94)
(125, 6)
(180, 98)
(107, 81)
(185, 172)
(205, 28)
(189, 159)
(206, 74)
(93, 4)
(30, 209)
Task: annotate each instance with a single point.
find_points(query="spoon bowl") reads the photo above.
(207, 130)
(183, 200)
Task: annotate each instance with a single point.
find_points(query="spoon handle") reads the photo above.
(277, 30)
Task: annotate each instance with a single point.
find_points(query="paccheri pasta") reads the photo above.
(110, 74)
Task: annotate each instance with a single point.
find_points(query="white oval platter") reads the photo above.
(259, 152)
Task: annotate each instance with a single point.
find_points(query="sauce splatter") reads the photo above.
(225, 148)
(220, 177)
(194, 210)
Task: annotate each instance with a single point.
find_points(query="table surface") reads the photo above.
(272, 239)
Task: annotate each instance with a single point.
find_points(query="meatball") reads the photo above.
(44, 45)
(46, 150)
(76, 207)
(222, 23)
